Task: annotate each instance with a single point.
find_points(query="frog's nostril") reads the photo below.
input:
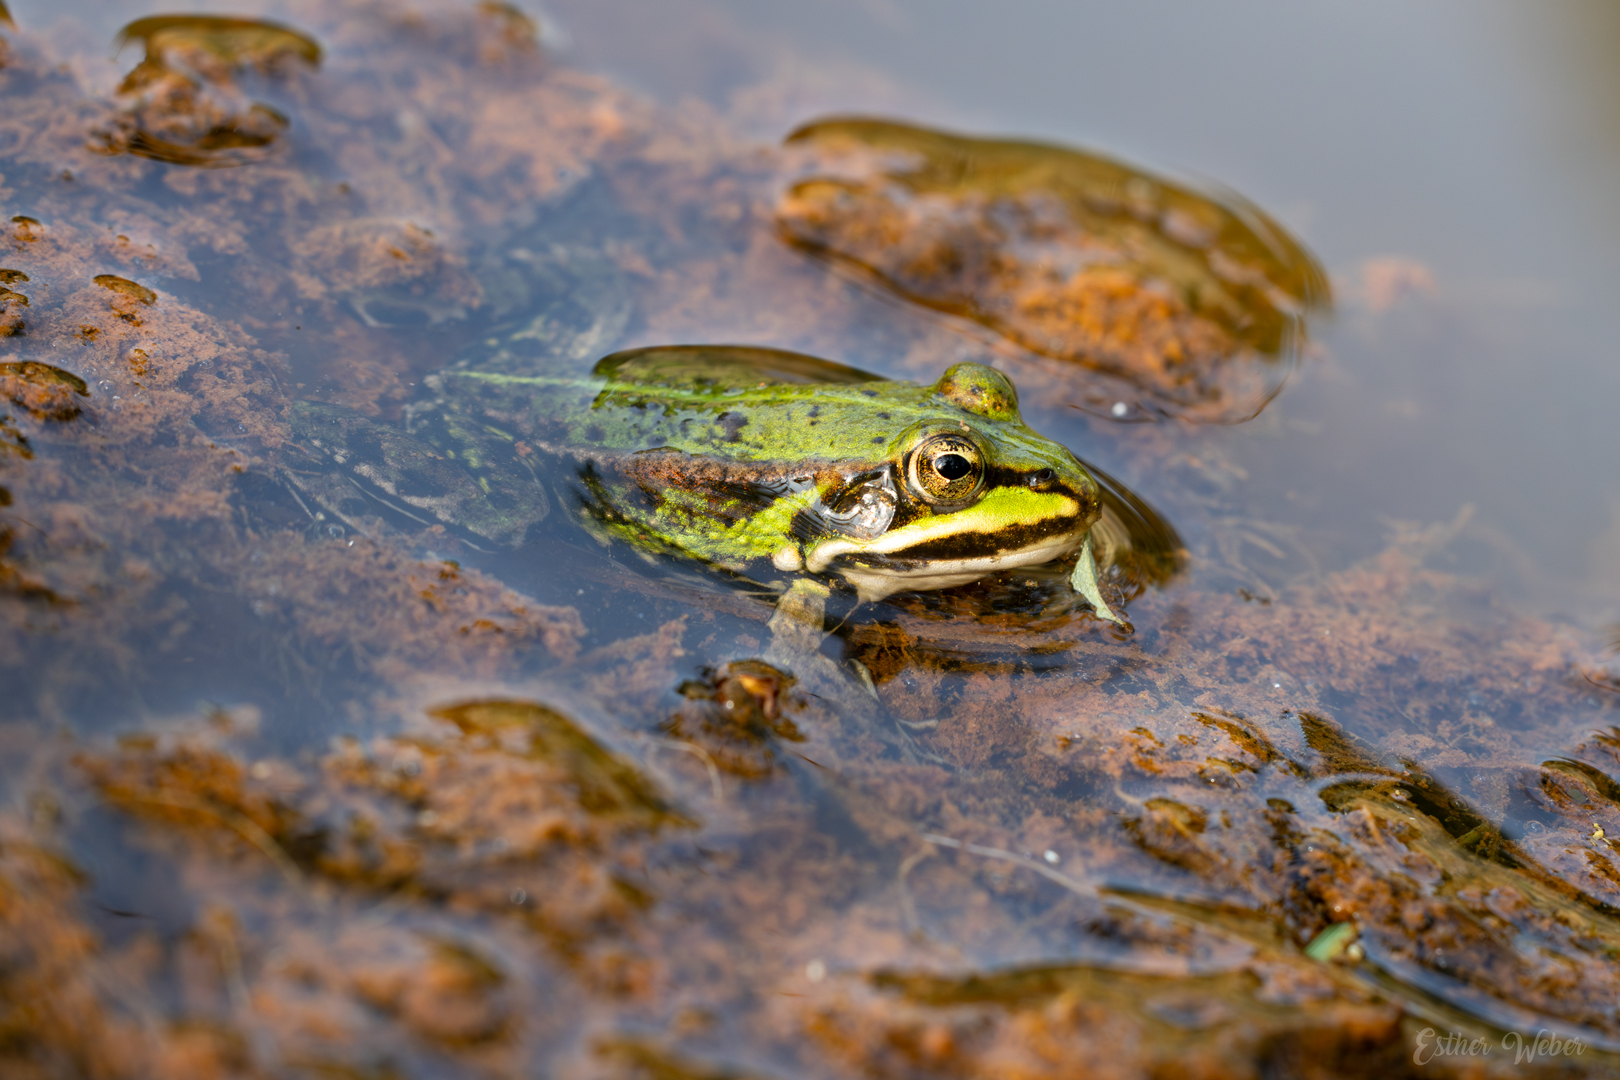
(1041, 477)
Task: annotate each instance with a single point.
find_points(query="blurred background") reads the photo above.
(1453, 163)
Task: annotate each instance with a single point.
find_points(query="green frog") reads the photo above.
(740, 457)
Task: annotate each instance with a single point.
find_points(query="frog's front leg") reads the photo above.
(797, 633)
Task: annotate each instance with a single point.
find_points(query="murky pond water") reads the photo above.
(414, 667)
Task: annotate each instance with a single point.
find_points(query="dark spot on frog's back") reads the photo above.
(732, 424)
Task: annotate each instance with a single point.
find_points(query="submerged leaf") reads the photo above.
(606, 784)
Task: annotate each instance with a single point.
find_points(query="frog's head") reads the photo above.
(964, 491)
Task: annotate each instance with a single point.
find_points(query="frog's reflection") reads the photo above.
(1176, 302)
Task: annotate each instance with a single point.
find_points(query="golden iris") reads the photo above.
(947, 468)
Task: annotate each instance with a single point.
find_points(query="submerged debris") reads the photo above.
(736, 716)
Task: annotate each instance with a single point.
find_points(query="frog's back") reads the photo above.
(727, 403)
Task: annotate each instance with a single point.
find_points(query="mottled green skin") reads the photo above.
(734, 455)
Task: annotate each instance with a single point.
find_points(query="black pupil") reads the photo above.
(952, 466)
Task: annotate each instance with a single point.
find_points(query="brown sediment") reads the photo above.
(1250, 824)
(382, 266)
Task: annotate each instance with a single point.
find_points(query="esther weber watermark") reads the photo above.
(1525, 1048)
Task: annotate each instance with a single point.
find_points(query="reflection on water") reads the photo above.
(335, 745)
(1194, 301)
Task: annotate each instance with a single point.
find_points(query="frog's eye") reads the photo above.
(946, 468)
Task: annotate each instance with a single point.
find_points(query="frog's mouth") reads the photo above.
(876, 576)
(939, 552)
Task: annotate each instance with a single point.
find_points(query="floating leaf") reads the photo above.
(239, 43)
(513, 29)
(11, 305)
(126, 287)
(29, 230)
(1084, 581)
(47, 392)
(181, 102)
(1188, 302)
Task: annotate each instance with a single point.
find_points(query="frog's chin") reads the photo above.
(876, 579)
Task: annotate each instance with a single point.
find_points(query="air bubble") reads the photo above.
(1120, 409)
